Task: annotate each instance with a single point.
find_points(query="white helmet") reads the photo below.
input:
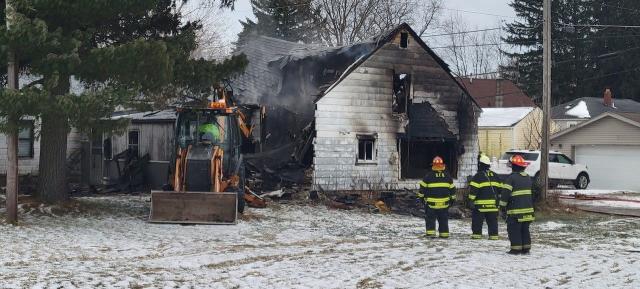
(484, 159)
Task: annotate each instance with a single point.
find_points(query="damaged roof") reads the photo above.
(426, 122)
(259, 77)
(383, 39)
(269, 57)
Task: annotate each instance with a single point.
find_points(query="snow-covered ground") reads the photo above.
(290, 246)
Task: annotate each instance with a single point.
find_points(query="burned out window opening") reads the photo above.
(401, 92)
(26, 137)
(134, 142)
(404, 40)
(367, 153)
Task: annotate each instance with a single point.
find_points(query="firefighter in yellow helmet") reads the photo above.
(516, 205)
(484, 192)
(438, 193)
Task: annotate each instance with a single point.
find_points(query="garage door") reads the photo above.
(611, 167)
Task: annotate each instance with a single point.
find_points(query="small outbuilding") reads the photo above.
(609, 145)
(502, 129)
(148, 137)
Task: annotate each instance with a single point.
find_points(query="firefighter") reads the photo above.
(483, 199)
(438, 192)
(516, 206)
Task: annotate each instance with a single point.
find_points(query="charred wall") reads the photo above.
(362, 104)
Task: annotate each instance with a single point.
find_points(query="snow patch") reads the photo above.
(580, 110)
(503, 117)
(551, 226)
(287, 246)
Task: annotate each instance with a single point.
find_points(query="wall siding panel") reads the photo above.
(361, 104)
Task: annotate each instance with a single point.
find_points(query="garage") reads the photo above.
(609, 145)
(611, 167)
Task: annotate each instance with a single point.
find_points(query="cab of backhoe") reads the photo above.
(200, 131)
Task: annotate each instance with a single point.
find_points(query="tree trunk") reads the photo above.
(12, 173)
(52, 185)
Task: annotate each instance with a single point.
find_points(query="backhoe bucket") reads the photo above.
(193, 207)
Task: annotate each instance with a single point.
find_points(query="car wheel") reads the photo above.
(582, 182)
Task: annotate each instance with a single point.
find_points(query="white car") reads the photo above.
(562, 169)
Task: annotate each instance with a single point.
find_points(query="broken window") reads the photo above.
(26, 139)
(401, 92)
(134, 142)
(417, 155)
(404, 40)
(366, 148)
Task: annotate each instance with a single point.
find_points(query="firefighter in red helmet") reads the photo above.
(516, 206)
(438, 193)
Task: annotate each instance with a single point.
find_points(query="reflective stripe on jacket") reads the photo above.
(437, 189)
(517, 197)
(484, 189)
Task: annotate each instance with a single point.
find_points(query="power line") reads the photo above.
(480, 13)
(598, 25)
(463, 32)
(621, 8)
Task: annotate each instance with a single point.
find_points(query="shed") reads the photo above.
(610, 147)
(502, 129)
(149, 133)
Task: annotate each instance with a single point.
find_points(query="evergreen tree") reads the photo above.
(290, 20)
(122, 51)
(616, 50)
(571, 60)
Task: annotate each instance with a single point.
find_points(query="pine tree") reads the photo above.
(571, 60)
(122, 51)
(290, 20)
(616, 50)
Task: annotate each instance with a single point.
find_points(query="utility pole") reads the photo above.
(546, 100)
(12, 134)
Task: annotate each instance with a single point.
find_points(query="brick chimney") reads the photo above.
(499, 94)
(608, 98)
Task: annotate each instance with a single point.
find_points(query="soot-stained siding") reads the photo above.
(361, 104)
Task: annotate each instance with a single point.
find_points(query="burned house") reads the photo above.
(378, 111)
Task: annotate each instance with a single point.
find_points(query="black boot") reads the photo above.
(514, 252)
(526, 251)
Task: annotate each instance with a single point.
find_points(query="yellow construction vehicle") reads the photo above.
(206, 179)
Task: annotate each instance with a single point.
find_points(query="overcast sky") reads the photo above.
(496, 7)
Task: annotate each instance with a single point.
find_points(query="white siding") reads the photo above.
(362, 104)
(606, 131)
(30, 165)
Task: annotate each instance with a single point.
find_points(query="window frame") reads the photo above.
(367, 138)
(30, 125)
(404, 40)
(401, 105)
(109, 156)
(137, 145)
